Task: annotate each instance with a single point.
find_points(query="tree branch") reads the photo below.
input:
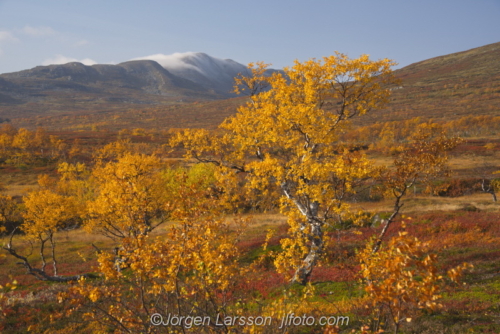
(38, 273)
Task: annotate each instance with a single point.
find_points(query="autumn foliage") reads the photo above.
(158, 237)
(401, 279)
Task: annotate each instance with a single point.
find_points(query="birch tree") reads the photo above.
(285, 138)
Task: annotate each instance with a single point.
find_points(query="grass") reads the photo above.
(473, 306)
(422, 203)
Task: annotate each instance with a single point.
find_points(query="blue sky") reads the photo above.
(275, 31)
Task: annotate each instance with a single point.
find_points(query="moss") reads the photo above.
(487, 293)
(478, 294)
(256, 253)
(422, 222)
(336, 291)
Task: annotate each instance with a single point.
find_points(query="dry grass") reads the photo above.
(421, 203)
(20, 178)
(474, 161)
(18, 189)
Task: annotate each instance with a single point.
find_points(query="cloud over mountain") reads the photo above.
(212, 73)
(171, 62)
(158, 79)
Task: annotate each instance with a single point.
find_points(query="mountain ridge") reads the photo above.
(137, 74)
(136, 82)
(212, 73)
(448, 86)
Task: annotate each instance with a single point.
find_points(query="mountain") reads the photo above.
(191, 90)
(77, 87)
(212, 73)
(107, 81)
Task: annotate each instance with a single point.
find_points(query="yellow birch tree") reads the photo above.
(131, 200)
(285, 139)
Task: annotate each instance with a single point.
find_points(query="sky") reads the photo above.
(35, 32)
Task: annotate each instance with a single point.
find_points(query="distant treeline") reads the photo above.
(23, 147)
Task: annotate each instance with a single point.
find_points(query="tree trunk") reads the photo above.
(489, 189)
(397, 207)
(303, 273)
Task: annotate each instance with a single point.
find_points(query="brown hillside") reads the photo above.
(447, 87)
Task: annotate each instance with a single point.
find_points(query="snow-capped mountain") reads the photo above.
(212, 73)
(192, 74)
(152, 80)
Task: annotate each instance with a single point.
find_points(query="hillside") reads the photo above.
(447, 87)
(148, 94)
(74, 87)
